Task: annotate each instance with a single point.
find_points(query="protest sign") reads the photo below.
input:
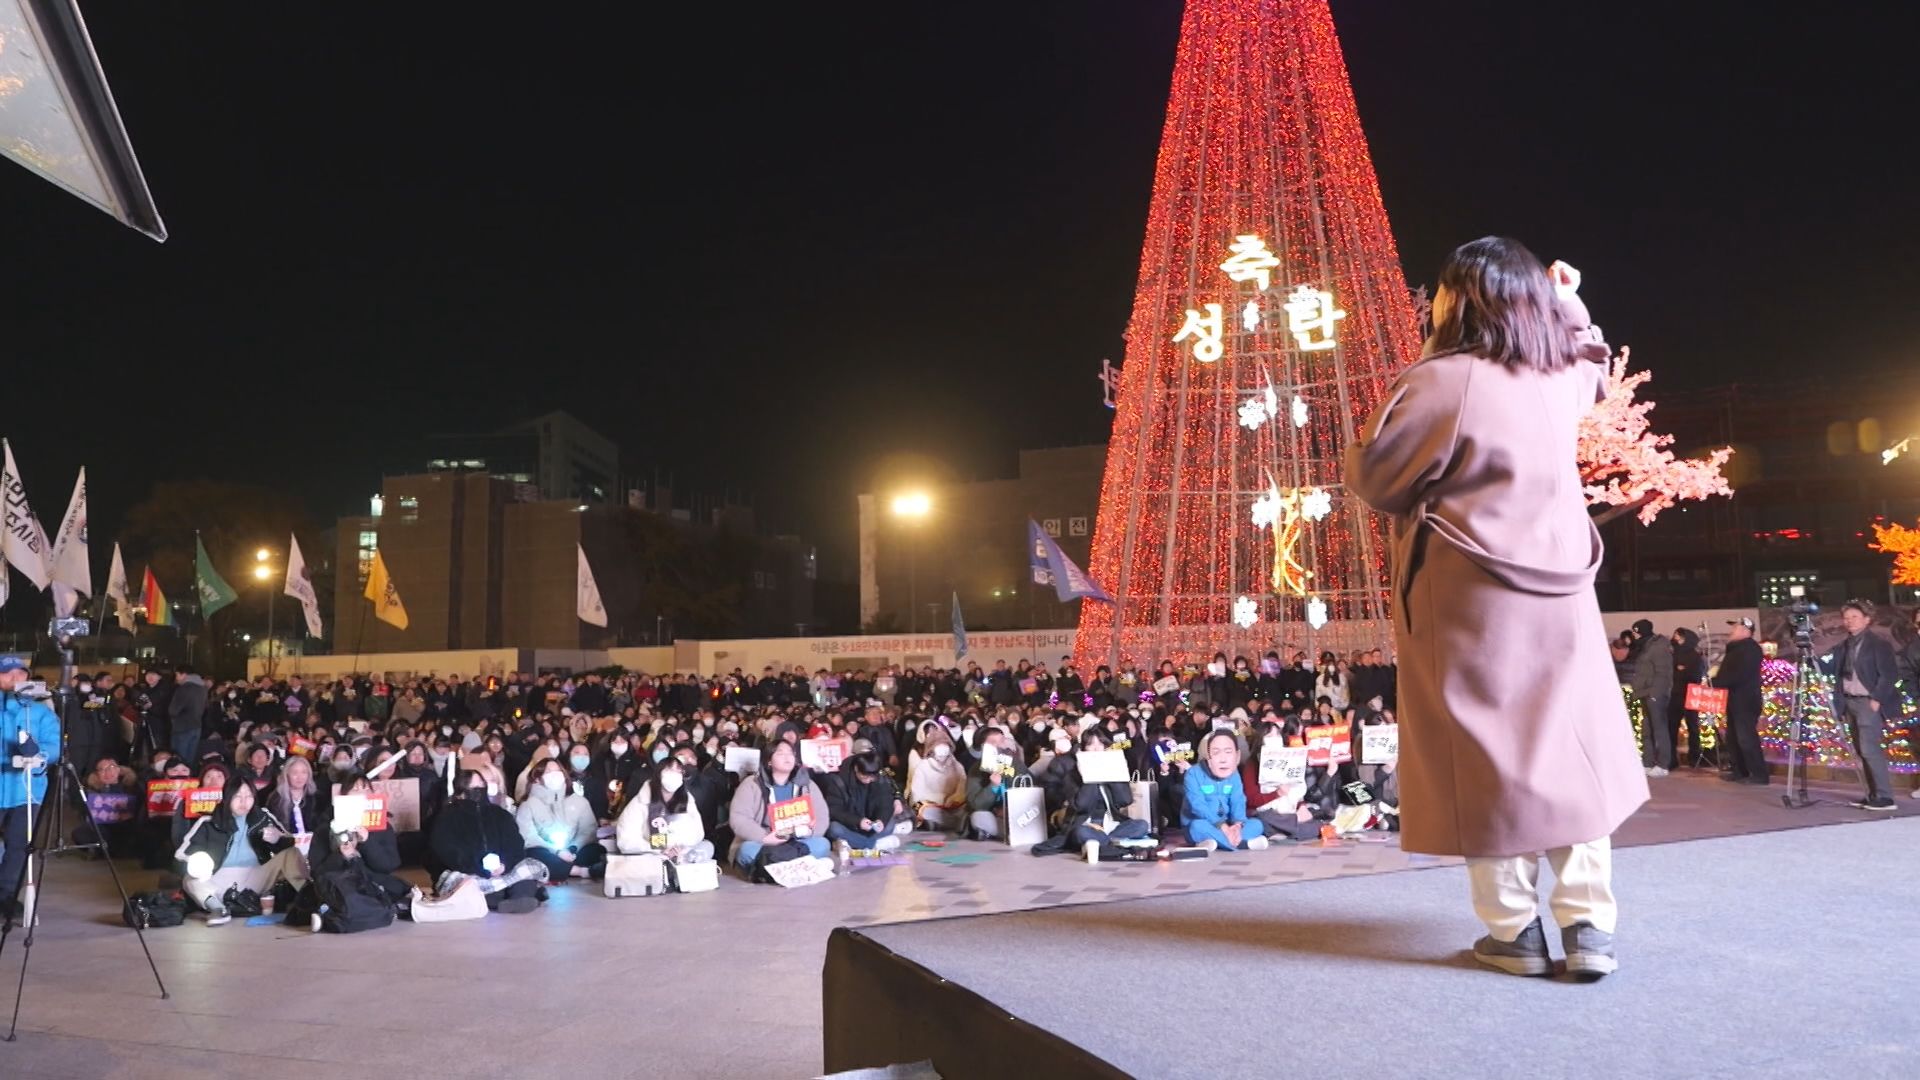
(1029, 686)
(1103, 766)
(1319, 745)
(163, 796)
(402, 800)
(1706, 699)
(1166, 684)
(743, 760)
(1283, 766)
(112, 807)
(301, 747)
(825, 754)
(1342, 747)
(1380, 744)
(791, 814)
(201, 801)
(797, 872)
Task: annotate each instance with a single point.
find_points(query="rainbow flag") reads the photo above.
(159, 612)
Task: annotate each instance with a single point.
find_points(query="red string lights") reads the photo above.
(1261, 142)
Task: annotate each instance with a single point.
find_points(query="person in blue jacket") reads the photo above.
(28, 729)
(1215, 813)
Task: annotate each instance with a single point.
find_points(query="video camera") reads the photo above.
(1800, 615)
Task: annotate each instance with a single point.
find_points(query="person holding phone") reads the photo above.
(558, 825)
(239, 845)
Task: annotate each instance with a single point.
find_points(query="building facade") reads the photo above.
(554, 457)
(972, 540)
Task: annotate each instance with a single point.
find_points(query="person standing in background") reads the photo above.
(1864, 693)
(1739, 676)
(1653, 684)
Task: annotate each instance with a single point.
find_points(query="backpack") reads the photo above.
(774, 853)
(147, 910)
(350, 901)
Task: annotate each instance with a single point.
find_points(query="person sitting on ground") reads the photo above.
(937, 783)
(474, 838)
(865, 811)
(338, 845)
(1001, 763)
(662, 817)
(260, 769)
(606, 777)
(295, 801)
(781, 778)
(558, 825)
(236, 846)
(1098, 822)
(1215, 814)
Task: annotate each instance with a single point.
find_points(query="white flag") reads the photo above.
(300, 587)
(117, 592)
(70, 565)
(587, 595)
(24, 543)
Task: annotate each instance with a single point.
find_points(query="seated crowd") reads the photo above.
(513, 785)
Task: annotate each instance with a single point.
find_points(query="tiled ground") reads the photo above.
(722, 984)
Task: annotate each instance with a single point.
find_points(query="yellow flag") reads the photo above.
(386, 599)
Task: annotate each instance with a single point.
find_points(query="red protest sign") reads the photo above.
(1706, 699)
(1029, 686)
(791, 814)
(825, 754)
(1342, 748)
(1319, 746)
(202, 801)
(163, 796)
(375, 817)
(301, 747)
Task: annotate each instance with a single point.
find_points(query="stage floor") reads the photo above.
(722, 984)
(1783, 954)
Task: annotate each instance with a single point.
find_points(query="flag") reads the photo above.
(70, 566)
(386, 599)
(159, 612)
(300, 587)
(117, 591)
(1052, 567)
(24, 544)
(959, 630)
(214, 591)
(586, 602)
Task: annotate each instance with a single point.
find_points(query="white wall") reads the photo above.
(467, 663)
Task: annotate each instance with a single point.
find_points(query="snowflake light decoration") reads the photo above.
(1299, 411)
(1266, 509)
(1246, 612)
(1315, 504)
(1250, 316)
(1316, 612)
(1252, 414)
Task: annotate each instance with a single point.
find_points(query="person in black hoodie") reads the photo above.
(1098, 821)
(865, 810)
(238, 845)
(1686, 669)
(472, 836)
(609, 776)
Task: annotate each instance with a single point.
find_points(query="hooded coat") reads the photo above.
(748, 814)
(1514, 736)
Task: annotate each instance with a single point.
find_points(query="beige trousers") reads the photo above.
(1506, 891)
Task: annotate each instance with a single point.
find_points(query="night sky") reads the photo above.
(766, 247)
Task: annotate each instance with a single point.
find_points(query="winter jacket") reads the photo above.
(1212, 799)
(555, 820)
(1686, 662)
(187, 708)
(466, 832)
(1095, 802)
(633, 832)
(1653, 669)
(19, 714)
(212, 835)
(749, 816)
(850, 802)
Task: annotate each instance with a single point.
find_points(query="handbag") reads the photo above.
(147, 910)
(242, 902)
(1025, 813)
(694, 877)
(785, 851)
(635, 875)
(1146, 802)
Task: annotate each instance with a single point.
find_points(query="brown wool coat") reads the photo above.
(1514, 735)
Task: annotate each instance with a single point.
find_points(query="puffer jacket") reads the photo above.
(555, 819)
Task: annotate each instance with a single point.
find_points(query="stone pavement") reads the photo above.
(720, 984)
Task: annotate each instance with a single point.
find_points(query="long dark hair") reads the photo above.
(1501, 306)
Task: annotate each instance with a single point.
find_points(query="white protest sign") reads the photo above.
(743, 760)
(1103, 766)
(797, 872)
(1380, 744)
(1166, 684)
(1283, 766)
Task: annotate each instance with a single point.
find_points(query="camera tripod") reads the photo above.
(1797, 796)
(32, 874)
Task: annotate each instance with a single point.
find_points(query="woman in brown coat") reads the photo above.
(1515, 737)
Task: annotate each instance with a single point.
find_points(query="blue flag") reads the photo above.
(959, 630)
(1052, 567)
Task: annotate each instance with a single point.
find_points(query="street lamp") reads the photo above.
(912, 506)
(263, 573)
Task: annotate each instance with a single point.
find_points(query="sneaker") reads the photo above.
(1258, 843)
(1879, 804)
(218, 917)
(1656, 772)
(1208, 845)
(1091, 849)
(888, 842)
(313, 921)
(1524, 955)
(1589, 952)
(842, 853)
(1914, 794)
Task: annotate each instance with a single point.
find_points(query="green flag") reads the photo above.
(215, 593)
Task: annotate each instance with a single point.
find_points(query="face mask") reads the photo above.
(580, 764)
(86, 688)
(479, 794)
(553, 749)
(619, 749)
(1062, 748)
(554, 781)
(341, 765)
(670, 782)
(659, 753)
(942, 752)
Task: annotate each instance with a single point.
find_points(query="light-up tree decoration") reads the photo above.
(1270, 318)
(1627, 467)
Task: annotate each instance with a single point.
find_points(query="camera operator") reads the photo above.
(1739, 676)
(152, 698)
(1864, 670)
(30, 733)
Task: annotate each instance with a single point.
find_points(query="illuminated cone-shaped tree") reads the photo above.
(1270, 318)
